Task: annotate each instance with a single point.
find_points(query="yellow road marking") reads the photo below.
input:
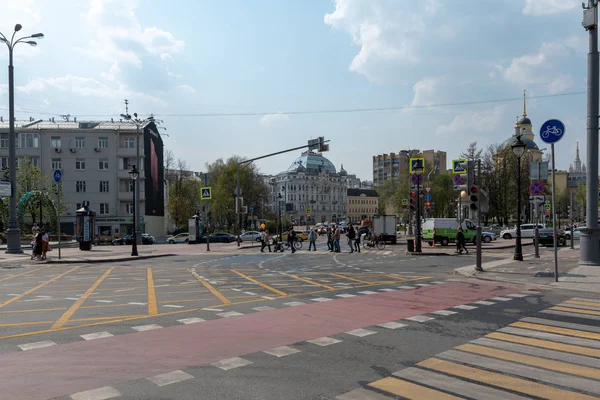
(18, 275)
(583, 303)
(210, 287)
(409, 390)
(108, 306)
(575, 310)
(200, 299)
(306, 280)
(533, 361)
(554, 329)
(585, 351)
(264, 286)
(26, 323)
(30, 311)
(351, 279)
(12, 300)
(69, 313)
(152, 307)
(106, 318)
(503, 381)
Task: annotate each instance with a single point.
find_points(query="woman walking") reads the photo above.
(45, 243)
(357, 241)
(336, 239)
(312, 238)
(460, 241)
(37, 250)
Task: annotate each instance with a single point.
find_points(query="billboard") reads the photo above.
(154, 172)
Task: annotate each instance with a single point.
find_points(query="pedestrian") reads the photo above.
(336, 239)
(45, 243)
(460, 241)
(330, 239)
(312, 238)
(357, 241)
(291, 238)
(38, 245)
(262, 241)
(351, 235)
(267, 240)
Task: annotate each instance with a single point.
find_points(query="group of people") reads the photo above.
(333, 240)
(40, 244)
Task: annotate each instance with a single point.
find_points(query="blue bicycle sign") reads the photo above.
(552, 131)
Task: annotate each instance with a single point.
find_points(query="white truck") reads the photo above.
(385, 225)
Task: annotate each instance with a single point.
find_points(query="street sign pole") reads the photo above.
(554, 216)
(58, 217)
(478, 266)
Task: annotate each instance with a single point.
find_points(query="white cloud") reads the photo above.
(270, 120)
(472, 122)
(186, 88)
(549, 7)
(426, 91)
(561, 84)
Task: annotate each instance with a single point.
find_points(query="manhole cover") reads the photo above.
(11, 266)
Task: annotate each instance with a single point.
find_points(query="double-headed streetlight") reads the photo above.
(13, 233)
(418, 171)
(279, 197)
(518, 147)
(134, 174)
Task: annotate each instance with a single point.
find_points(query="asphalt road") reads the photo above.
(172, 318)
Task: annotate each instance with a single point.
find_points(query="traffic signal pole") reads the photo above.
(478, 266)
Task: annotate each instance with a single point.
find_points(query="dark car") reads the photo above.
(222, 237)
(146, 239)
(546, 237)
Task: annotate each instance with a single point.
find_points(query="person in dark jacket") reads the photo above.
(351, 235)
(460, 241)
(38, 245)
(291, 238)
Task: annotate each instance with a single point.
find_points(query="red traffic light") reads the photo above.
(428, 204)
(413, 194)
(474, 190)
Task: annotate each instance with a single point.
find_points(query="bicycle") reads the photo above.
(374, 241)
(551, 130)
(297, 244)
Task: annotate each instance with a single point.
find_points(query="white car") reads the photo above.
(251, 236)
(527, 231)
(576, 234)
(179, 238)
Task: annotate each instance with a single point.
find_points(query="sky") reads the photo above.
(229, 77)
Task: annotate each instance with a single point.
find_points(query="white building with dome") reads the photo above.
(310, 185)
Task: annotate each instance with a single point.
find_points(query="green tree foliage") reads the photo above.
(30, 178)
(223, 178)
(443, 196)
(184, 195)
(391, 192)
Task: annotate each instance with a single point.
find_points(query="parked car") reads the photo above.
(251, 236)
(322, 230)
(179, 238)
(123, 240)
(546, 237)
(527, 231)
(576, 234)
(147, 238)
(488, 237)
(222, 237)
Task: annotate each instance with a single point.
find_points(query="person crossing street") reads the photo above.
(312, 238)
(351, 235)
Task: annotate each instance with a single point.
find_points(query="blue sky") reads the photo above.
(270, 56)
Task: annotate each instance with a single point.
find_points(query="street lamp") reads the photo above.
(279, 197)
(418, 171)
(518, 148)
(13, 232)
(133, 175)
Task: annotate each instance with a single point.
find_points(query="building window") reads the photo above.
(104, 208)
(4, 140)
(129, 143)
(78, 206)
(56, 163)
(103, 142)
(128, 163)
(103, 164)
(79, 142)
(80, 186)
(80, 164)
(30, 140)
(55, 141)
(35, 161)
(103, 186)
(129, 208)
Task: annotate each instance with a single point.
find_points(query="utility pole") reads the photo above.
(589, 253)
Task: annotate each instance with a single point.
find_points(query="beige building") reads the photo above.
(362, 204)
(95, 159)
(396, 165)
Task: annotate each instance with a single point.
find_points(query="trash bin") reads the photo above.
(410, 244)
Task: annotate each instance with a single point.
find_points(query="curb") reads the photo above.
(108, 260)
(414, 253)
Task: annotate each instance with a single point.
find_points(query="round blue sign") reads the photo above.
(57, 175)
(552, 131)
(428, 197)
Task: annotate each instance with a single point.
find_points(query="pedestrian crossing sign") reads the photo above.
(206, 193)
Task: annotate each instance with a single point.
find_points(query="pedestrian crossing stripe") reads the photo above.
(548, 358)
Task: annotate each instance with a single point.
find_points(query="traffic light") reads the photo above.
(428, 205)
(413, 201)
(474, 197)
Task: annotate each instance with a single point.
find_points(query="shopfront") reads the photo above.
(114, 226)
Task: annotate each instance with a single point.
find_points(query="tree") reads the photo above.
(391, 193)
(30, 178)
(184, 195)
(472, 153)
(443, 196)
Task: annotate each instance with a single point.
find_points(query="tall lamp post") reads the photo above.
(279, 197)
(518, 148)
(134, 174)
(13, 232)
(418, 171)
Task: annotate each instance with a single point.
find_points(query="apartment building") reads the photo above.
(363, 204)
(396, 165)
(95, 158)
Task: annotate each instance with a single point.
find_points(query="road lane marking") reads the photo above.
(263, 285)
(36, 345)
(169, 378)
(409, 390)
(35, 310)
(69, 313)
(282, 351)
(350, 279)
(192, 320)
(360, 332)
(25, 293)
(503, 381)
(24, 273)
(306, 280)
(103, 393)
(419, 318)
(152, 306)
(97, 335)
(562, 331)
(231, 363)
(148, 327)
(324, 341)
(14, 324)
(569, 348)
(559, 366)
(207, 285)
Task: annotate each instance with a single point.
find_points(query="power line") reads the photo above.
(325, 111)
